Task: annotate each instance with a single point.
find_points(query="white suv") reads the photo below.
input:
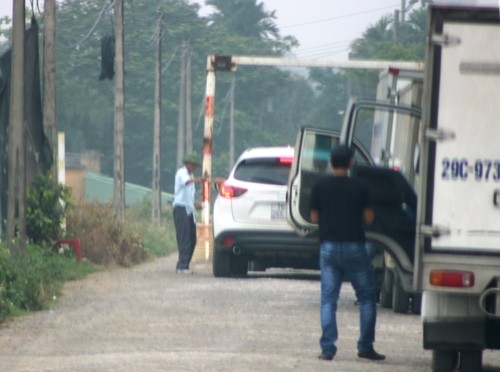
(249, 223)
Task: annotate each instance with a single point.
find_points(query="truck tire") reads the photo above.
(221, 265)
(471, 360)
(400, 298)
(416, 303)
(444, 360)
(386, 289)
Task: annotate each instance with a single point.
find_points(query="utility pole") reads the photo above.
(156, 183)
(16, 213)
(189, 119)
(182, 99)
(231, 124)
(395, 28)
(49, 81)
(119, 167)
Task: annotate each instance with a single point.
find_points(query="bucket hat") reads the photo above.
(193, 158)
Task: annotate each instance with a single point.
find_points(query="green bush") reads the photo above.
(33, 280)
(46, 205)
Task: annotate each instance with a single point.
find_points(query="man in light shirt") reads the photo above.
(184, 210)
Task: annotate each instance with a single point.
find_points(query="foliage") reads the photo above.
(270, 103)
(382, 41)
(157, 240)
(85, 105)
(32, 281)
(103, 240)
(46, 204)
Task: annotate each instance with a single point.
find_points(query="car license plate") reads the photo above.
(278, 211)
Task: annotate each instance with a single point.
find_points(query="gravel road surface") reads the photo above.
(148, 318)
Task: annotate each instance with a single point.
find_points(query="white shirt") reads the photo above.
(184, 193)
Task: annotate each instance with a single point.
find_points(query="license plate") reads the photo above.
(278, 211)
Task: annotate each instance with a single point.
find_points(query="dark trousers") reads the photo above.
(185, 232)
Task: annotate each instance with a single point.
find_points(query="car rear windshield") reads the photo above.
(263, 170)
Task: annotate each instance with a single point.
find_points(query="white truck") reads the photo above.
(445, 204)
(457, 262)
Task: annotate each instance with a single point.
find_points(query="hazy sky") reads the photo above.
(324, 28)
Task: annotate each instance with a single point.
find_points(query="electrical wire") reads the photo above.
(103, 10)
(339, 17)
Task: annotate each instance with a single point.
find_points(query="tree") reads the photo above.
(245, 17)
(248, 18)
(377, 43)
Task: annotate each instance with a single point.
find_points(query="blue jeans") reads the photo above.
(346, 260)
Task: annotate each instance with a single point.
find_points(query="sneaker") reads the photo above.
(325, 357)
(371, 354)
(183, 271)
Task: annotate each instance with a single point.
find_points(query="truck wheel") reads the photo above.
(386, 289)
(444, 360)
(400, 298)
(221, 265)
(416, 303)
(471, 360)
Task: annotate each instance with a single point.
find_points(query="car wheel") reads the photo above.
(239, 266)
(221, 265)
(444, 360)
(400, 298)
(386, 289)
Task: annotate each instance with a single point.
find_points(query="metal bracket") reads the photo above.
(434, 231)
(439, 134)
(445, 40)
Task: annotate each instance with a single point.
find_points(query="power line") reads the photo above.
(106, 7)
(340, 17)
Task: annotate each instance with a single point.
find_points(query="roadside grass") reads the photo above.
(32, 281)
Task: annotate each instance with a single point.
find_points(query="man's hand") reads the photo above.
(198, 206)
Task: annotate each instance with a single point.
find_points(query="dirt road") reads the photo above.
(150, 319)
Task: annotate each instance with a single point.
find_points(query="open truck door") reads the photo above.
(384, 137)
(311, 162)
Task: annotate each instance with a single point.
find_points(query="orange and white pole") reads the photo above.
(207, 151)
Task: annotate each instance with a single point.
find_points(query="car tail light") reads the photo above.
(452, 278)
(228, 191)
(394, 71)
(286, 160)
(228, 241)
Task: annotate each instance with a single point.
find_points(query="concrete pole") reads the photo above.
(49, 81)
(119, 166)
(181, 126)
(231, 125)
(189, 115)
(156, 183)
(16, 214)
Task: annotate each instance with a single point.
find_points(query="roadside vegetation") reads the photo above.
(32, 280)
(271, 105)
